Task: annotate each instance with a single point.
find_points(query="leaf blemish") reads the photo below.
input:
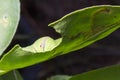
(5, 19)
(107, 10)
(42, 45)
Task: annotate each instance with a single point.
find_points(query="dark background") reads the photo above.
(35, 17)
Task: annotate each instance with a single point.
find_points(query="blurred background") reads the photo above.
(35, 17)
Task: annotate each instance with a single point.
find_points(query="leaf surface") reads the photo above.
(13, 75)
(59, 77)
(78, 29)
(108, 73)
(9, 18)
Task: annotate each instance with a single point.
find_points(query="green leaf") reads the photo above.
(108, 73)
(43, 44)
(13, 75)
(59, 77)
(78, 29)
(9, 17)
(85, 26)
